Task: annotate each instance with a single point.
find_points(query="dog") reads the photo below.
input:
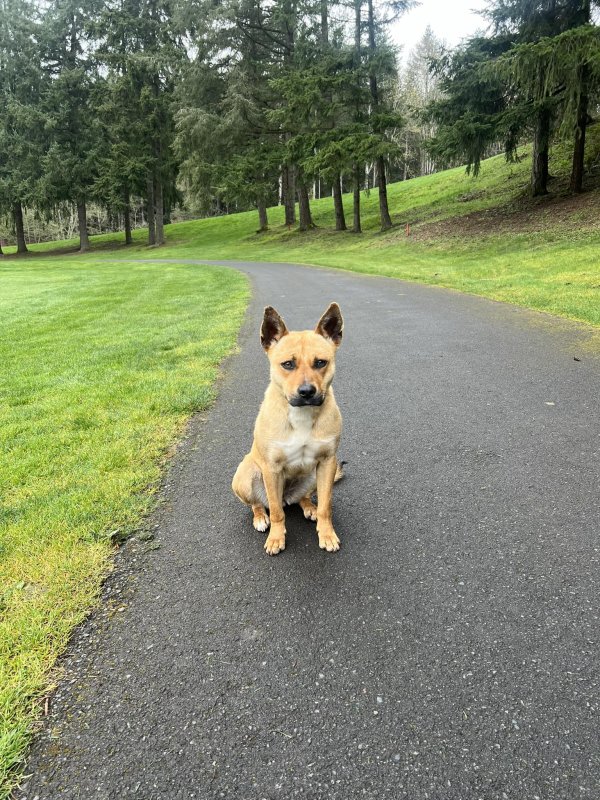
(297, 431)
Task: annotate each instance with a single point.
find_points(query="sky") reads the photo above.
(451, 20)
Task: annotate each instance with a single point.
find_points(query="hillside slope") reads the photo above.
(481, 235)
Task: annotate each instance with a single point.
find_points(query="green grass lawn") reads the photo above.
(101, 366)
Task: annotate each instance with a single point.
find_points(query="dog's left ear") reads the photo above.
(331, 324)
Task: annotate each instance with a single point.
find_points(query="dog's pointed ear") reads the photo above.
(272, 328)
(331, 324)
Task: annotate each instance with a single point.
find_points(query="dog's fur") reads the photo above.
(297, 430)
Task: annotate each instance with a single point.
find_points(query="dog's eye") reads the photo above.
(320, 363)
(289, 365)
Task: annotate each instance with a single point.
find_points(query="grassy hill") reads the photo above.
(481, 235)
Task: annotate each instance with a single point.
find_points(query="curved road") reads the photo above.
(449, 651)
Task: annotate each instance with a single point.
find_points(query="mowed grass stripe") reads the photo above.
(101, 366)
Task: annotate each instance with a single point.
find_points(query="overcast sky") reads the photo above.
(451, 20)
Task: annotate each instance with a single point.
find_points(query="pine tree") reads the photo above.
(328, 66)
(313, 114)
(21, 120)
(143, 52)
(528, 23)
(583, 85)
(228, 148)
(418, 88)
(122, 162)
(70, 162)
(559, 73)
(532, 77)
(381, 65)
(475, 110)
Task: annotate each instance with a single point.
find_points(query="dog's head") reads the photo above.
(302, 362)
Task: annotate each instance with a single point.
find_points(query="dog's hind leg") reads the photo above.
(260, 518)
(249, 487)
(309, 508)
(302, 493)
(306, 502)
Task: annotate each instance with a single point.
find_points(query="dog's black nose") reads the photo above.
(307, 390)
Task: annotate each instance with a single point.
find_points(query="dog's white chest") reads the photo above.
(301, 448)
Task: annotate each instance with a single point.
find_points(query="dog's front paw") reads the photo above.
(275, 542)
(328, 540)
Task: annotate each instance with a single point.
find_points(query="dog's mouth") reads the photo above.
(298, 402)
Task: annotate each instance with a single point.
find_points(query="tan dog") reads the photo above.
(297, 430)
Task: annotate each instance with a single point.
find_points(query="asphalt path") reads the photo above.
(450, 650)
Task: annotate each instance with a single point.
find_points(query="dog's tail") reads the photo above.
(339, 473)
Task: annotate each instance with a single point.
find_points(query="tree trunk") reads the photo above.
(19, 229)
(580, 131)
(541, 144)
(338, 206)
(289, 193)
(263, 221)
(357, 32)
(324, 24)
(306, 221)
(1, 253)
(289, 171)
(372, 49)
(84, 242)
(150, 214)
(288, 176)
(384, 211)
(127, 219)
(386, 221)
(356, 227)
(159, 216)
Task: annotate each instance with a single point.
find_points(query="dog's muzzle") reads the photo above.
(306, 395)
(297, 401)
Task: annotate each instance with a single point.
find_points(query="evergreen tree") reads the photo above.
(474, 111)
(418, 88)
(329, 67)
(580, 89)
(143, 53)
(314, 114)
(527, 22)
(531, 77)
(121, 167)
(282, 89)
(69, 164)
(381, 67)
(224, 138)
(21, 118)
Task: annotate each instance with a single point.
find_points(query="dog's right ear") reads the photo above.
(331, 324)
(272, 328)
